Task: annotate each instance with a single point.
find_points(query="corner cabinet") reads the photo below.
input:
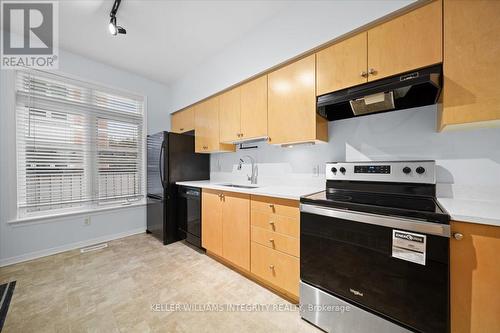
(475, 278)
(243, 112)
(471, 61)
(226, 226)
(183, 121)
(292, 104)
(206, 127)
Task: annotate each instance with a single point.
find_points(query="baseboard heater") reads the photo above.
(94, 248)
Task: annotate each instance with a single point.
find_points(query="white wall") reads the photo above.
(303, 26)
(23, 241)
(468, 160)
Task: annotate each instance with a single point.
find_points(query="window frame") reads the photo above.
(95, 205)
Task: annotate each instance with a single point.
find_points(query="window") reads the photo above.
(78, 145)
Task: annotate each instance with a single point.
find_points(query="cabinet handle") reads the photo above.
(271, 267)
(458, 236)
(182, 129)
(272, 242)
(372, 71)
(364, 74)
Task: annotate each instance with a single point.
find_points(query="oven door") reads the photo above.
(350, 255)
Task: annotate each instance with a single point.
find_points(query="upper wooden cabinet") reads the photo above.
(292, 104)
(230, 110)
(207, 127)
(342, 65)
(408, 42)
(254, 108)
(475, 278)
(471, 61)
(183, 121)
(226, 226)
(411, 41)
(243, 111)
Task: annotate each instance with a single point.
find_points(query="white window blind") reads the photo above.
(78, 145)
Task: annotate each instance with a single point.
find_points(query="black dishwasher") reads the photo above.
(189, 214)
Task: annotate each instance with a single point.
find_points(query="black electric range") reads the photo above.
(376, 241)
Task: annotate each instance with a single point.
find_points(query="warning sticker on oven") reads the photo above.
(408, 246)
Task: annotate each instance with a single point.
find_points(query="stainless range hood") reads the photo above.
(404, 91)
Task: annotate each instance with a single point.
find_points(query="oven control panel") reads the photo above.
(397, 171)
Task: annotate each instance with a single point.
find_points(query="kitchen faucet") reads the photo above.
(255, 171)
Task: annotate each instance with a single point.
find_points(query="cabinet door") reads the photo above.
(183, 121)
(475, 278)
(471, 61)
(229, 115)
(408, 42)
(201, 130)
(236, 229)
(254, 108)
(292, 102)
(342, 65)
(211, 221)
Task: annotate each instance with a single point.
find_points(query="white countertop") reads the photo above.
(277, 191)
(473, 211)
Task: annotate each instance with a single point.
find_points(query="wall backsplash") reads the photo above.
(468, 160)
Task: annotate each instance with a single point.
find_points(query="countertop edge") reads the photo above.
(258, 191)
(469, 215)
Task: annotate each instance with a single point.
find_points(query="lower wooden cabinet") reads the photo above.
(475, 278)
(236, 229)
(277, 268)
(225, 228)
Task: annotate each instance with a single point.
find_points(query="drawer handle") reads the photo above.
(271, 267)
(271, 223)
(271, 241)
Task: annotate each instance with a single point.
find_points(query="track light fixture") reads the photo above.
(113, 28)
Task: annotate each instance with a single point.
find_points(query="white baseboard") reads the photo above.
(68, 247)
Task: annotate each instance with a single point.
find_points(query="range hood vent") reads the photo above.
(404, 91)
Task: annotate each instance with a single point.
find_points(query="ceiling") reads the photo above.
(164, 39)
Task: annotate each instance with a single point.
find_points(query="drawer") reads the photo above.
(277, 223)
(276, 241)
(283, 207)
(279, 269)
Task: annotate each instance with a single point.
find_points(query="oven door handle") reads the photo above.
(431, 228)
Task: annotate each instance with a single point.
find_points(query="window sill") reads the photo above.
(89, 211)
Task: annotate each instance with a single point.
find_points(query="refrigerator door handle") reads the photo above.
(161, 165)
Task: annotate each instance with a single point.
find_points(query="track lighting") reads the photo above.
(112, 27)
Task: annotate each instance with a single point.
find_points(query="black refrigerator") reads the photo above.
(171, 158)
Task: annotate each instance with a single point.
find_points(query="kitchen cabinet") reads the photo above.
(411, 41)
(408, 42)
(275, 230)
(475, 278)
(226, 226)
(207, 128)
(211, 226)
(471, 62)
(183, 121)
(230, 110)
(342, 65)
(236, 229)
(243, 111)
(279, 269)
(292, 104)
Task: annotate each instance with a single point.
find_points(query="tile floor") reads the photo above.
(114, 289)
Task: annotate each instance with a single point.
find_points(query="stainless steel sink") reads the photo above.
(239, 186)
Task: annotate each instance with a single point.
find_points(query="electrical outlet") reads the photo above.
(86, 220)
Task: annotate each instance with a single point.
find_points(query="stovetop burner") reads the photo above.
(386, 188)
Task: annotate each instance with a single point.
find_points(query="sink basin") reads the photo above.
(239, 186)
